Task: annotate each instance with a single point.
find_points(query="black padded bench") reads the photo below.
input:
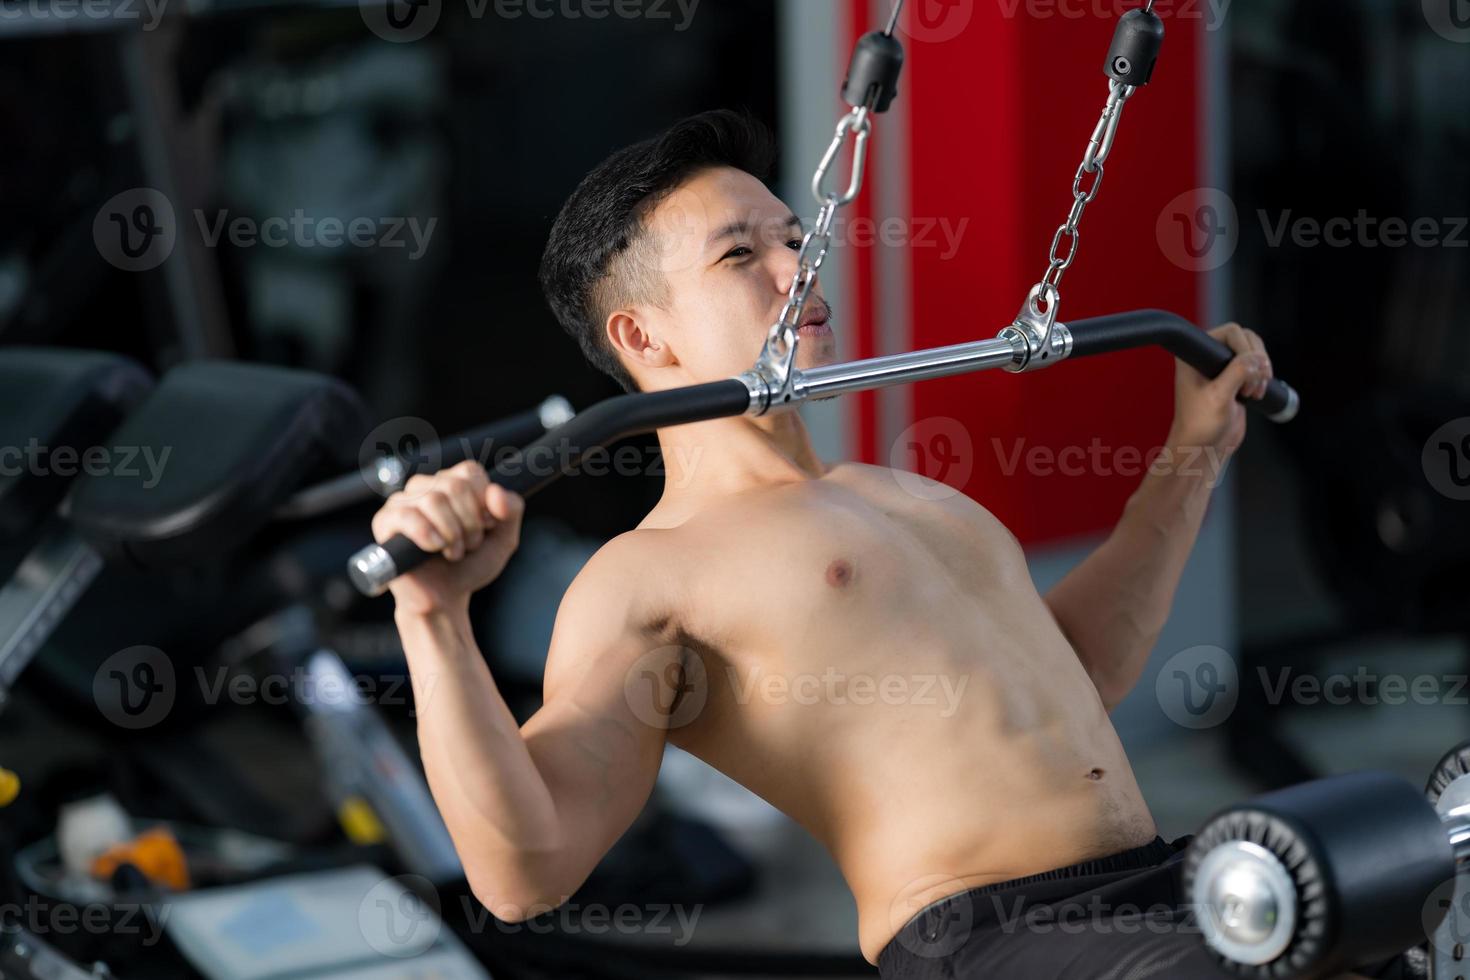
(240, 439)
(51, 401)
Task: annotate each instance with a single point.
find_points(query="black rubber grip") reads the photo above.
(1142, 328)
(557, 453)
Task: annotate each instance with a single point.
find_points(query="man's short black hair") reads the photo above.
(592, 262)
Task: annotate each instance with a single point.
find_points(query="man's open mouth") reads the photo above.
(815, 323)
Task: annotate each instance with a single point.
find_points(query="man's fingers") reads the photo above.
(435, 505)
(1244, 375)
(1247, 342)
(464, 497)
(409, 522)
(1254, 340)
(473, 472)
(1232, 335)
(506, 507)
(1258, 346)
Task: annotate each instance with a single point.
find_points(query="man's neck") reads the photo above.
(725, 456)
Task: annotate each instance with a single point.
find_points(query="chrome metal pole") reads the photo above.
(896, 369)
(1457, 826)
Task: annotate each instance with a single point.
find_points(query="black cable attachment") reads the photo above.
(1135, 48)
(872, 77)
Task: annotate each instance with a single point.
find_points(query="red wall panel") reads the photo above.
(999, 117)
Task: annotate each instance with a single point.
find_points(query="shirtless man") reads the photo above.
(760, 561)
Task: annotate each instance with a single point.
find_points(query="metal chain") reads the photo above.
(1098, 148)
(779, 353)
(814, 245)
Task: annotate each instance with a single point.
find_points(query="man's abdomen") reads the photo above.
(925, 770)
(966, 810)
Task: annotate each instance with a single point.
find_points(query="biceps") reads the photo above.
(599, 764)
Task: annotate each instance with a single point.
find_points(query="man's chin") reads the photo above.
(816, 352)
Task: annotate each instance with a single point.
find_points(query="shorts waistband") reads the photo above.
(1149, 855)
(917, 933)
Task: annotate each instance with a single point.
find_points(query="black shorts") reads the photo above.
(1123, 917)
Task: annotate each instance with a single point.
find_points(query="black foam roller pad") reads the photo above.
(1366, 852)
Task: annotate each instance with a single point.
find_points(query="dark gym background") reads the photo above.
(259, 107)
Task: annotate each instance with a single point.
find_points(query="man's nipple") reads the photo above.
(840, 573)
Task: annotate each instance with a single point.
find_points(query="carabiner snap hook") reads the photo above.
(854, 122)
(1106, 131)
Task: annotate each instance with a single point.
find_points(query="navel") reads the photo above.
(1095, 775)
(840, 573)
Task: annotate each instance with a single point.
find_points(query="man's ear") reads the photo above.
(627, 331)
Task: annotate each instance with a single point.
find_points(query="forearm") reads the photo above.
(1113, 606)
(493, 799)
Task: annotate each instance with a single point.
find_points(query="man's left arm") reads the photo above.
(1113, 605)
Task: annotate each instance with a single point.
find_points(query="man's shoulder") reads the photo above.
(626, 578)
(628, 552)
(852, 469)
(918, 486)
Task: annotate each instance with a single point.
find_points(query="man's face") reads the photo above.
(726, 249)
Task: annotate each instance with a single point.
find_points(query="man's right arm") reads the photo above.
(531, 809)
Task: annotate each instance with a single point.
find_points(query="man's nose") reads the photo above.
(783, 265)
